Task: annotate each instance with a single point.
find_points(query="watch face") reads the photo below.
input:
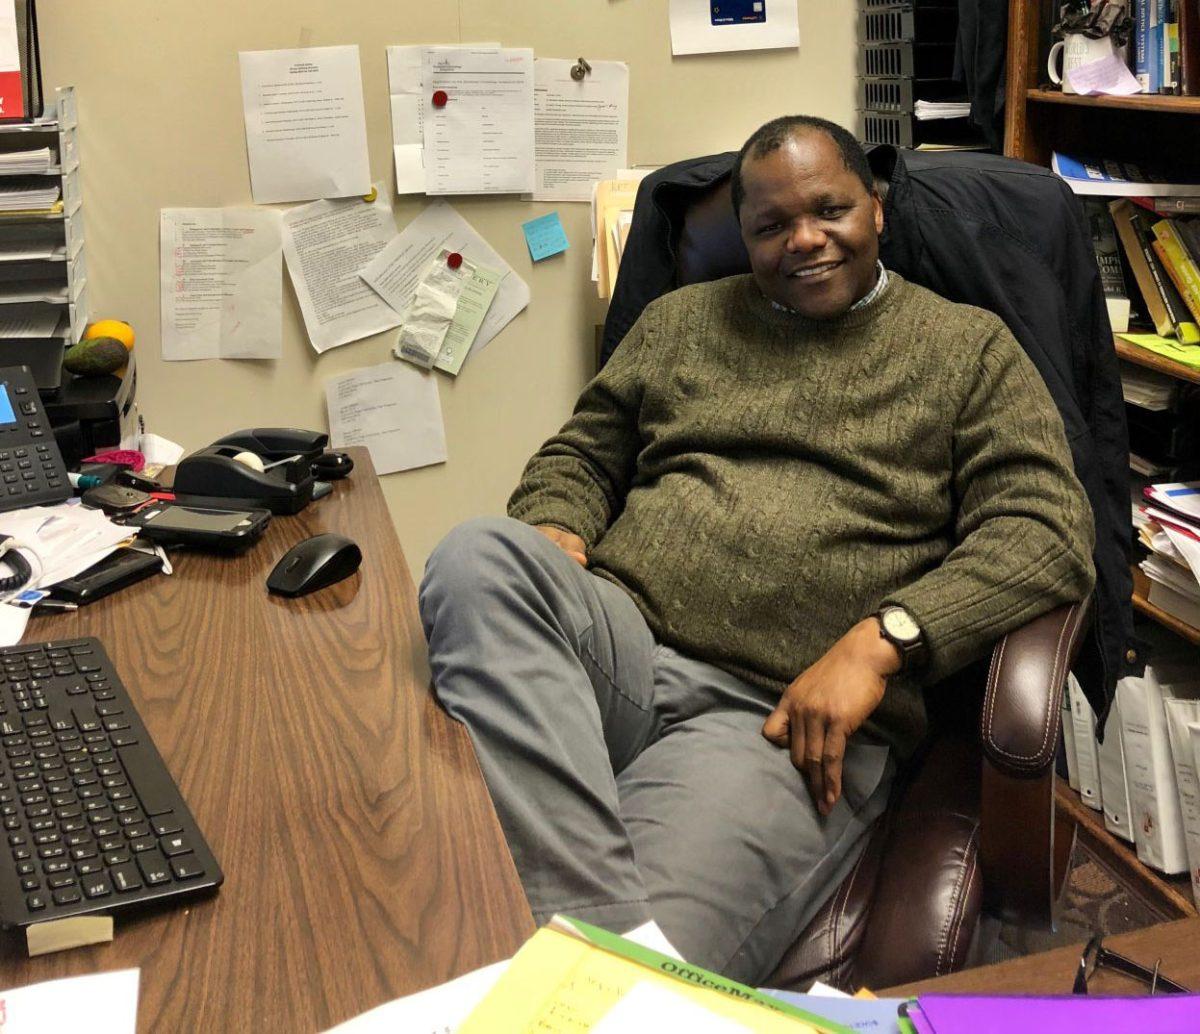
(900, 625)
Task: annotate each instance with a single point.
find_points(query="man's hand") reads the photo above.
(820, 710)
(570, 544)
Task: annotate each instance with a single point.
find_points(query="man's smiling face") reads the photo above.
(810, 225)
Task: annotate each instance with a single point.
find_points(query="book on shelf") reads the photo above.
(1178, 254)
(1184, 205)
(1108, 258)
(1109, 178)
(1165, 307)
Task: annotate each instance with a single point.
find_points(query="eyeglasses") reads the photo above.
(1095, 956)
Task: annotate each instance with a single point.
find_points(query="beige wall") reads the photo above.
(161, 126)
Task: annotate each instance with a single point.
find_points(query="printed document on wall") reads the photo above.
(397, 270)
(393, 409)
(714, 26)
(221, 283)
(480, 140)
(306, 133)
(326, 245)
(408, 97)
(580, 128)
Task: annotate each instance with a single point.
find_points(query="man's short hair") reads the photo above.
(774, 134)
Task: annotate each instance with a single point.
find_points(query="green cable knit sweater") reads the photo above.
(758, 482)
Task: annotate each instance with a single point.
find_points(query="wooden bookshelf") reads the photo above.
(1154, 361)
(1162, 103)
(1170, 895)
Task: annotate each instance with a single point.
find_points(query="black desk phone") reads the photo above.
(32, 472)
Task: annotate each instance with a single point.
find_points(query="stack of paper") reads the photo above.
(1182, 716)
(1065, 1014)
(1148, 389)
(22, 195)
(926, 110)
(37, 160)
(612, 216)
(1172, 533)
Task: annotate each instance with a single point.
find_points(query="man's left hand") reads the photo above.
(822, 708)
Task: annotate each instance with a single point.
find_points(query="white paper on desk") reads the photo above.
(408, 97)
(580, 128)
(13, 620)
(481, 141)
(396, 270)
(100, 1003)
(65, 539)
(393, 409)
(692, 30)
(326, 245)
(437, 1010)
(649, 1009)
(306, 133)
(221, 283)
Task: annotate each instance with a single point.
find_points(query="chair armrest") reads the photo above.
(1023, 867)
(1021, 716)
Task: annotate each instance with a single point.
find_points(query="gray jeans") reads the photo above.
(631, 782)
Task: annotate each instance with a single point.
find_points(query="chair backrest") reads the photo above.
(709, 245)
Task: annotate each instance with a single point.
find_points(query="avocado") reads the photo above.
(95, 357)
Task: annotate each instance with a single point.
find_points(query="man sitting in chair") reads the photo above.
(692, 656)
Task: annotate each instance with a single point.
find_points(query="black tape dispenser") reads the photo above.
(233, 477)
(278, 443)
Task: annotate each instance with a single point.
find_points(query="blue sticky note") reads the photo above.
(545, 236)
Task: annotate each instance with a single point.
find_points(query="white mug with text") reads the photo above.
(1077, 49)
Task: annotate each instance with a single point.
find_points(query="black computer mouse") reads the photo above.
(313, 564)
(330, 466)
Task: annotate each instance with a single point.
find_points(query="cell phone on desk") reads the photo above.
(222, 531)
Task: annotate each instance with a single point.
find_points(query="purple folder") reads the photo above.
(1067, 1014)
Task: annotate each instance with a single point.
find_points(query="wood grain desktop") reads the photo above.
(362, 857)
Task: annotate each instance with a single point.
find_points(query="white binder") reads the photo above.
(1068, 735)
(1114, 788)
(1181, 714)
(1087, 760)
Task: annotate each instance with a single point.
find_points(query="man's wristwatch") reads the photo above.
(900, 628)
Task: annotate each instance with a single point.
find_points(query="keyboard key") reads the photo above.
(154, 868)
(166, 824)
(122, 739)
(90, 866)
(112, 843)
(175, 845)
(35, 902)
(106, 829)
(125, 878)
(96, 885)
(116, 858)
(64, 880)
(142, 844)
(50, 868)
(26, 868)
(186, 868)
(85, 851)
(30, 883)
(66, 896)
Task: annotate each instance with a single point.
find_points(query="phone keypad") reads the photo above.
(32, 471)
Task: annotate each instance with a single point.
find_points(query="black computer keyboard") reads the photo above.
(93, 821)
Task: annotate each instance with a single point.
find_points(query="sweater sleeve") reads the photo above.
(1023, 526)
(578, 480)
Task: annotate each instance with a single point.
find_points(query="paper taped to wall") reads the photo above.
(306, 133)
(221, 283)
(393, 409)
(326, 245)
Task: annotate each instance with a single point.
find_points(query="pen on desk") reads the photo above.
(49, 604)
(83, 480)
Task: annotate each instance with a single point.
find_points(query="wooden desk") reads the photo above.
(1053, 972)
(362, 857)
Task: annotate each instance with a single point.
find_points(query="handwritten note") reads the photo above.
(545, 236)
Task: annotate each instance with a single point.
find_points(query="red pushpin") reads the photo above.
(454, 260)
(439, 98)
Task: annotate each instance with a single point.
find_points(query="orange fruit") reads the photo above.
(119, 329)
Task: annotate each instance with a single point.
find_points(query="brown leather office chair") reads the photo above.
(970, 830)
